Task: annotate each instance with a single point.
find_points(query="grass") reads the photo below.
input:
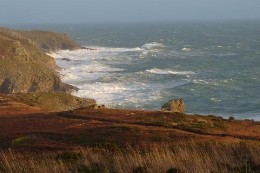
(184, 157)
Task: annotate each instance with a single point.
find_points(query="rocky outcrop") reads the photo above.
(176, 105)
(25, 68)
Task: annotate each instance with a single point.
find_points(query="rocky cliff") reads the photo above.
(24, 67)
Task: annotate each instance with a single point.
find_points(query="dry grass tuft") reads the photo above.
(187, 157)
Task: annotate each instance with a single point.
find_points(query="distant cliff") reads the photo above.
(24, 66)
(51, 41)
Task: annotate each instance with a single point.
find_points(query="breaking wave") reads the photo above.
(153, 45)
(169, 72)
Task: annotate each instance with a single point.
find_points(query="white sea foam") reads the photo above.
(186, 49)
(153, 45)
(200, 81)
(166, 71)
(207, 82)
(225, 54)
(105, 52)
(94, 67)
(103, 92)
(215, 99)
(86, 65)
(95, 74)
(212, 82)
(96, 52)
(119, 94)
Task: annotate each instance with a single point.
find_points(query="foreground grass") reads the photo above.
(186, 157)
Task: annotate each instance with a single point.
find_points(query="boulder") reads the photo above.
(175, 105)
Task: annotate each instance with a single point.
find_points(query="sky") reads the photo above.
(127, 11)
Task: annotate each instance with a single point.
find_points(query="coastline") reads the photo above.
(47, 131)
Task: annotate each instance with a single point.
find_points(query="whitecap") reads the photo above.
(212, 82)
(200, 81)
(215, 99)
(186, 49)
(225, 54)
(94, 67)
(166, 71)
(153, 45)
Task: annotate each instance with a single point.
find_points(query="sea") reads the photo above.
(213, 66)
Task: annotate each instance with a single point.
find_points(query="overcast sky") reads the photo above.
(114, 11)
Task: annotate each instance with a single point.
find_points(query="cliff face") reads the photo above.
(24, 67)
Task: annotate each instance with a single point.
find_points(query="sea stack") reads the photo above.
(174, 105)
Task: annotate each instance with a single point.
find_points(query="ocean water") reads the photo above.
(214, 67)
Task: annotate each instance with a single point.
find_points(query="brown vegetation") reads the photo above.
(89, 127)
(186, 157)
(113, 140)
